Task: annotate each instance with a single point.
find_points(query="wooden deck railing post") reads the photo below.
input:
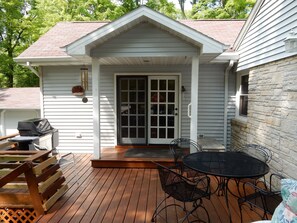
(33, 190)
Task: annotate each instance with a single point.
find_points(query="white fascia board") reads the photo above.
(226, 57)
(143, 13)
(37, 61)
(248, 23)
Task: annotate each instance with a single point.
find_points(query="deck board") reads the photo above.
(114, 195)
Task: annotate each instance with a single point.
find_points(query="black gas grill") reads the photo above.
(34, 127)
(36, 131)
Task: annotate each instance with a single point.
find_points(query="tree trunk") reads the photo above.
(10, 69)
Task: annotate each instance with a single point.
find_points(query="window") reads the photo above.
(243, 95)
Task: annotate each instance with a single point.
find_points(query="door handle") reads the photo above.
(189, 110)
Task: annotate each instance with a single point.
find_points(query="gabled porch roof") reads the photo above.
(69, 43)
(82, 46)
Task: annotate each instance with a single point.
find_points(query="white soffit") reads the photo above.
(226, 57)
(144, 14)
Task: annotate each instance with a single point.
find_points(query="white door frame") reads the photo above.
(178, 75)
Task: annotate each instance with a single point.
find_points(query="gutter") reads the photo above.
(227, 72)
(28, 64)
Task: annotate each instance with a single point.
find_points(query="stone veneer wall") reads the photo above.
(272, 114)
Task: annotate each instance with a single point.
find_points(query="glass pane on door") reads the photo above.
(163, 113)
(132, 113)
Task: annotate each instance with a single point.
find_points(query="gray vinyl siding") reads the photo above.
(72, 117)
(211, 102)
(66, 112)
(145, 40)
(211, 99)
(264, 41)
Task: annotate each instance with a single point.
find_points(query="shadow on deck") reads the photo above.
(115, 195)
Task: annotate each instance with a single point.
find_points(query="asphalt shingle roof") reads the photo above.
(224, 31)
(64, 33)
(20, 98)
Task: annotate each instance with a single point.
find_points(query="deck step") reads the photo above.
(133, 163)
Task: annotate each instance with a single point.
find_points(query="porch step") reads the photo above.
(125, 147)
(129, 163)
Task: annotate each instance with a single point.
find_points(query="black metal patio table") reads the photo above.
(228, 165)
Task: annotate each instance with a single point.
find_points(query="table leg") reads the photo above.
(221, 186)
(226, 181)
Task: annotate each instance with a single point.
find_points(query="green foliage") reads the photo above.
(163, 6)
(219, 9)
(22, 22)
(15, 35)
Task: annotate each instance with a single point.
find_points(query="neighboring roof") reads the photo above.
(20, 98)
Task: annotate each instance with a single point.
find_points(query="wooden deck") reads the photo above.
(123, 195)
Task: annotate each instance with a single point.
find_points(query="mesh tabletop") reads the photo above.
(226, 164)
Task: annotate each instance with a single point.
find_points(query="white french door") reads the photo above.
(132, 110)
(163, 117)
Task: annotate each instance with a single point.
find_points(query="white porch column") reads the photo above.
(96, 107)
(194, 99)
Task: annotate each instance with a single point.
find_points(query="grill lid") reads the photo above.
(34, 127)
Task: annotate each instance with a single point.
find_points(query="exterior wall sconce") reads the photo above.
(84, 76)
(183, 89)
(291, 42)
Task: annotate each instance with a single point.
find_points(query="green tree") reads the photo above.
(23, 21)
(49, 12)
(163, 6)
(15, 36)
(222, 9)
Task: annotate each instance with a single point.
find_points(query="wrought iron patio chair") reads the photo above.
(259, 152)
(184, 190)
(260, 197)
(177, 148)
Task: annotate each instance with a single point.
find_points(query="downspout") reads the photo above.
(2, 122)
(28, 64)
(39, 75)
(227, 70)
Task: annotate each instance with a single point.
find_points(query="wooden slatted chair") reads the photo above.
(30, 183)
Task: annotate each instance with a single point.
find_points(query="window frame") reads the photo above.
(239, 94)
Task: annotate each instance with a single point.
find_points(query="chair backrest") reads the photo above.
(275, 182)
(258, 151)
(178, 145)
(181, 188)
